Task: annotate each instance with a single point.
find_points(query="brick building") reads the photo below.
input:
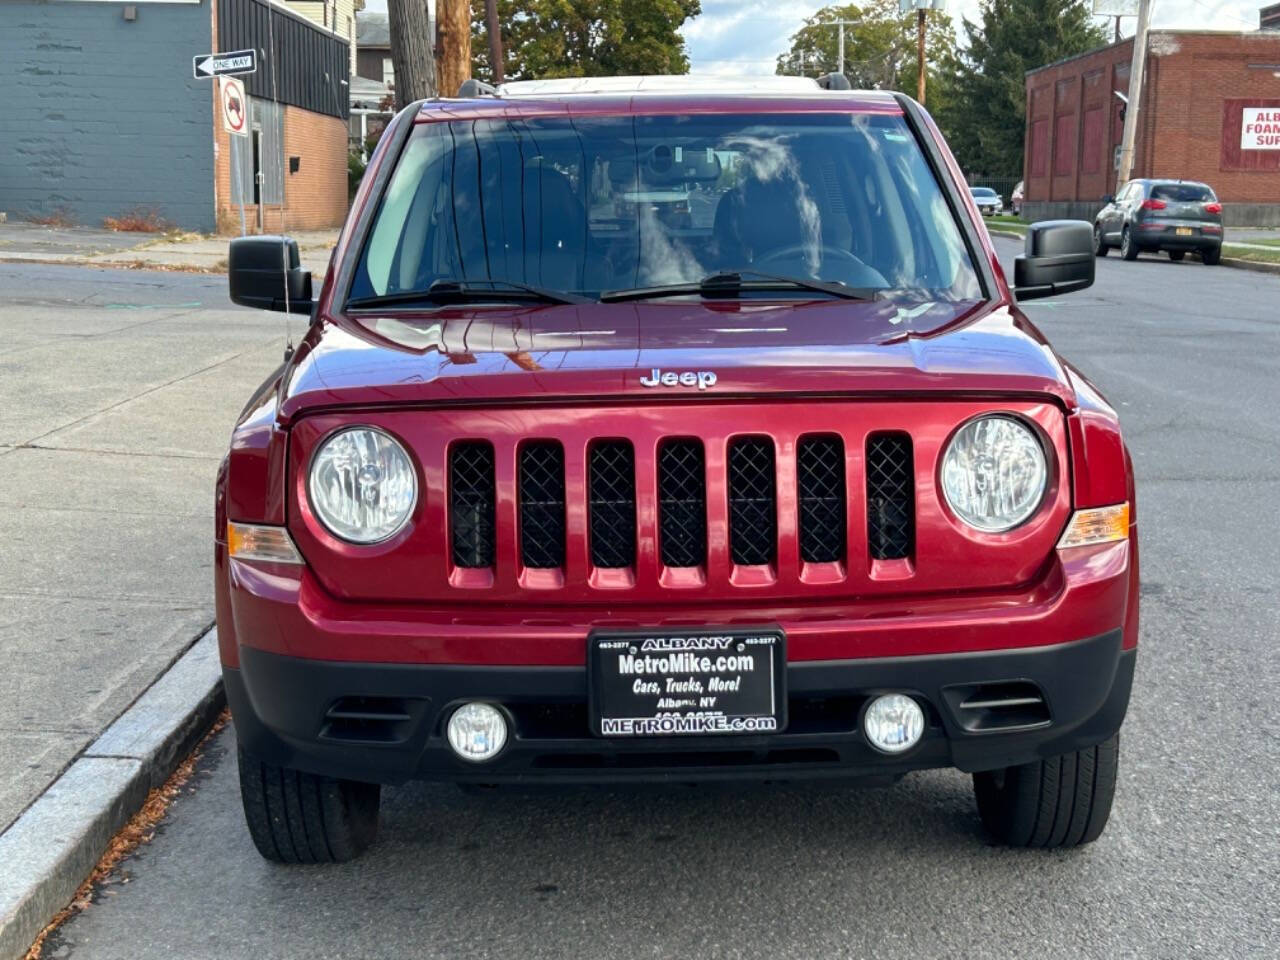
(1198, 89)
(102, 116)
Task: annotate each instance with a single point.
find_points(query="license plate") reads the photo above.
(1183, 231)
(662, 683)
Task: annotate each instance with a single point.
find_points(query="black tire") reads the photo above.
(1100, 246)
(1128, 249)
(1177, 255)
(1212, 256)
(1063, 801)
(296, 817)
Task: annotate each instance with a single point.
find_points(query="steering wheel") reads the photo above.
(800, 251)
(839, 264)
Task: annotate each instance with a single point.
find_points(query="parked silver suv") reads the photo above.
(1175, 216)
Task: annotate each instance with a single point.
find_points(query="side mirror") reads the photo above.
(1108, 198)
(1059, 259)
(259, 278)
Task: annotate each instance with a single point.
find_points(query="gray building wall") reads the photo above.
(101, 116)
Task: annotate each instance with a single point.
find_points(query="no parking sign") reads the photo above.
(233, 106)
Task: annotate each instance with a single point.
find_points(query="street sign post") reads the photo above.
(234, 107)
(224, 64)
(234, 110)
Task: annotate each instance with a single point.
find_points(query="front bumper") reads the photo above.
(393, 717)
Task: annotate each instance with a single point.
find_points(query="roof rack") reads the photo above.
(475, 88)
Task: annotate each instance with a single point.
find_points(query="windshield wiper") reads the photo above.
(731, 283)
(468, 291)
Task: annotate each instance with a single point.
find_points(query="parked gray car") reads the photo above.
(989, 202)
(1176, 216)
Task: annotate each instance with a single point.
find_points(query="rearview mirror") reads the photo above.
(259, 277)
(1108, 198)
(1059, 259)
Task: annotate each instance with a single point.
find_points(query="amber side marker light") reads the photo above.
(251, 541)
(1097, 525)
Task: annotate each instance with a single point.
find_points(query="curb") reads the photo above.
(1257, 266)
(49, 850)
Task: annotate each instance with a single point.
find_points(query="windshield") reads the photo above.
(586, 205)
(1182, 192)
(983, 192)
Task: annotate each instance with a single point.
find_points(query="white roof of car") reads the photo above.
(658, 84)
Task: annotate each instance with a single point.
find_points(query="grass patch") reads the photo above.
(1237, 252)
(1262, 241)
(138, 220)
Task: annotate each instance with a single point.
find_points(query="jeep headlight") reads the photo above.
(362, 485)
(993, 473)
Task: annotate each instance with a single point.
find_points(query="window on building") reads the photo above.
(388, 71)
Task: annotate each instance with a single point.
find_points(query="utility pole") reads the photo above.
(920, 7)
(840, 59)
(1127, 144)
(411, 55)
(920, 28)
(495, 40)
(453, 24)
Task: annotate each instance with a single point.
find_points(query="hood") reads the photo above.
(611, 351)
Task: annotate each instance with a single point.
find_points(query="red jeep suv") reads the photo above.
(560, 486)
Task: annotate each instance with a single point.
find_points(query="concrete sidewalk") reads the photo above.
(118, 389)
(193, 252)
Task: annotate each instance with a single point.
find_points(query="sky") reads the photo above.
(746, 36)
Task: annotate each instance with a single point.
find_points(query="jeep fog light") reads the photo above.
(477, 731)
(893, 723)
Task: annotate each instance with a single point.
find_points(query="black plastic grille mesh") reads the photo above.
(682, 503)
(471, 495)
(891, 496)
(611, 491)
(752, 501)
(820, 483)
(542, 504)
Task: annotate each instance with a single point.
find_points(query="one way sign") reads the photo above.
(224, 64)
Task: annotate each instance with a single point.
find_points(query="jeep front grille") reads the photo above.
(542, 504)
(821, 494)
(612, 503)
(753, 502)
(611, 506)
(682, 503)
(471, 504)
(891, 496)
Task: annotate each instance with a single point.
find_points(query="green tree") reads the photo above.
(879, 50)
(985, 119)
(584, 38)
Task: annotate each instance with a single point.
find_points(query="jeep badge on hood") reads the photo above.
(689, 378)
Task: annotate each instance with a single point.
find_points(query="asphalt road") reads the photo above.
(118, 389)
(1190, 865)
